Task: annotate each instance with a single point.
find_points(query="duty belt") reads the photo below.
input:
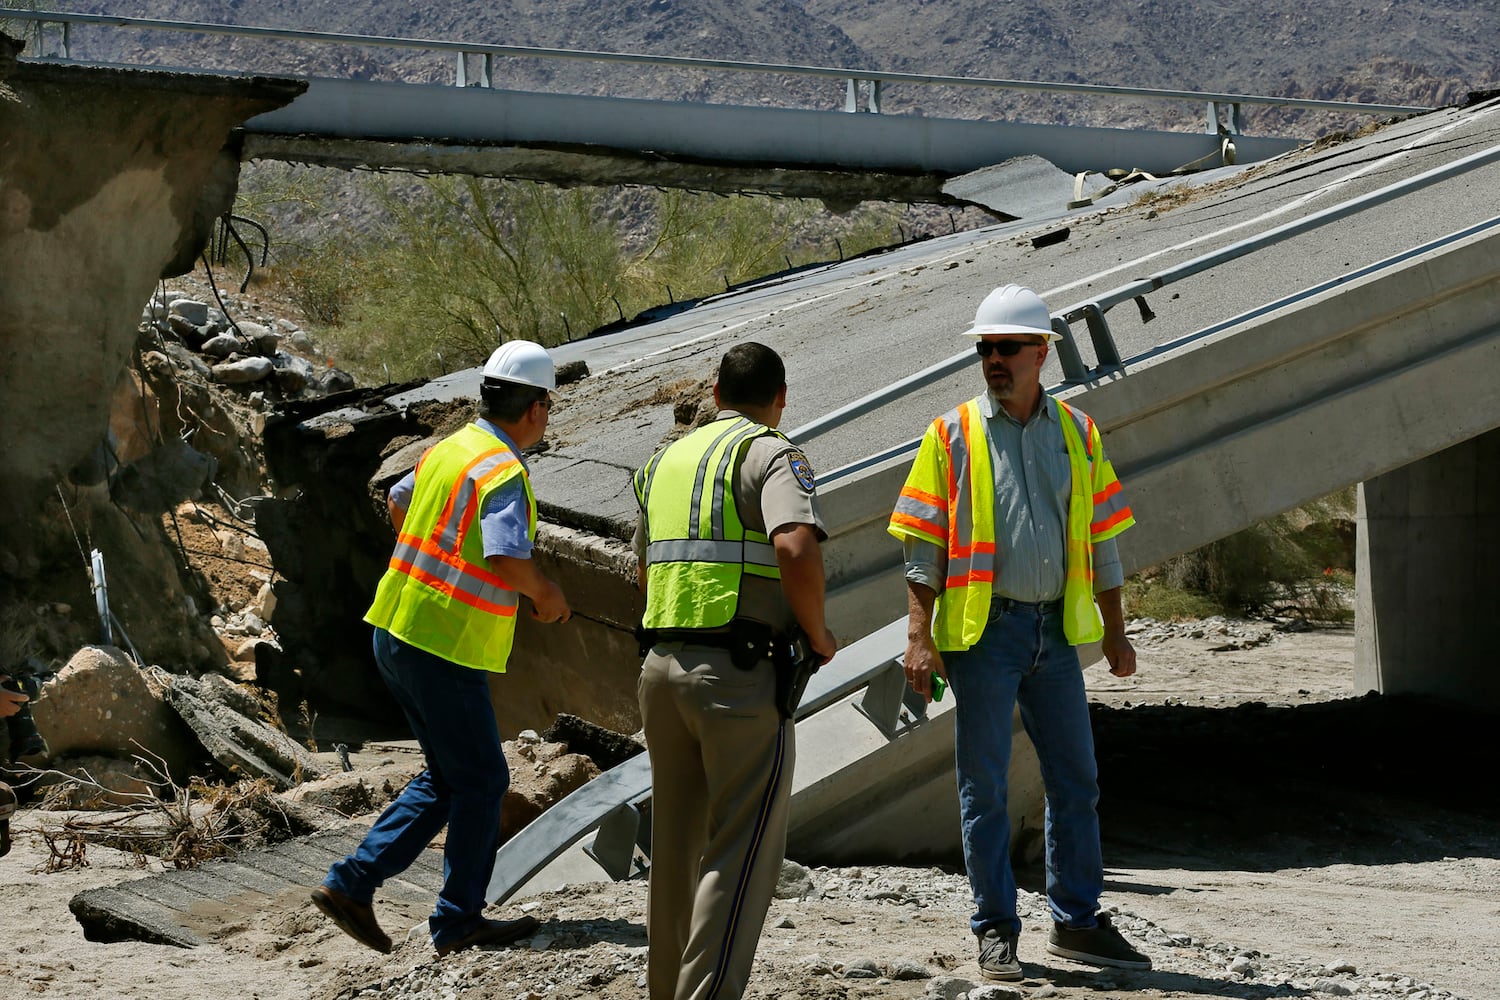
(748, 642)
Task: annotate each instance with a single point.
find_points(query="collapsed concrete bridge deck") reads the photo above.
(1359, 354)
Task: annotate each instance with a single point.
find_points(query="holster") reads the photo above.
(748, 642)
(795, 664)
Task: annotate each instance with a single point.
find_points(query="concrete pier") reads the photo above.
(1429, 542)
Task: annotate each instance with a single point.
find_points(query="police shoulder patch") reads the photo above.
(801, 468)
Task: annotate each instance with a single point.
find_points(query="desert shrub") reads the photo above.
(446, 267)
(1297, 562)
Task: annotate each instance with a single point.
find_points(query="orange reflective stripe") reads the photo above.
(461, 479)
(444, 587)
(957, 551)
(942, 430)
(1110, 522)
(974, 576)
(917, 524)
(924, 497)
(428, 547)
(458, 562)
(1110, 490)
(503, 467)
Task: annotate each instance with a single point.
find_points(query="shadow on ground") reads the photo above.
(1370, 780)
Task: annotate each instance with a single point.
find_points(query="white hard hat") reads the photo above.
(521, 361)
(1012, 309)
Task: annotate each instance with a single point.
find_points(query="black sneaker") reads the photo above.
(997, 955)
(1101, 945)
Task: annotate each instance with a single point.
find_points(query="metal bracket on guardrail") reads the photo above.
(1215, 126)
(851, 96)
(1073, 367)
(487, 74)
(35, 36)
(613, 846)
(885, 697)
(1108, 355)
(1105, 351)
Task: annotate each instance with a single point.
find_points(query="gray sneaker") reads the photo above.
(1101, 945)
(997, 955)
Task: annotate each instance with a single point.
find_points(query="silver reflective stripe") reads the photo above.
(922, 511)
(1080, 421)
(645, 477)
(463, 495)
(454, 577)
(1110, 507)
(702, 474)
(740, 429)
(704, 550)
(761, 554)
(958, 451)
(750, 430)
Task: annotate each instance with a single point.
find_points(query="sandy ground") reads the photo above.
(1267, 834)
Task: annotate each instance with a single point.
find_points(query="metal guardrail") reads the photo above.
(1092, 310)
(1216, 103)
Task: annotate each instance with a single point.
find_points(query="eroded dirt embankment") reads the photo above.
(109, 181)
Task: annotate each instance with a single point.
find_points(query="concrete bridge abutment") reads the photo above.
(1428, 593)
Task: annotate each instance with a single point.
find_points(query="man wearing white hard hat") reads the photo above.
(445, 616)
(1008, 520)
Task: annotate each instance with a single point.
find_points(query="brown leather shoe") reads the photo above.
(355, 919)
(493, 933)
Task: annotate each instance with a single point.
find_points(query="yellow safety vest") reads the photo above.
(949, 500)
(698, 550)
(439, 593)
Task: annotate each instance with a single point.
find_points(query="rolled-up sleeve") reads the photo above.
(1108, 573)
(926, 563)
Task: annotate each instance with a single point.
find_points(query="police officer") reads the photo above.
(444, 618)
(730, 561)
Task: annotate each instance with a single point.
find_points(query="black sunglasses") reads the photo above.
(1005, 348)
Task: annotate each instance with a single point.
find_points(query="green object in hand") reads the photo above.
(938, 686)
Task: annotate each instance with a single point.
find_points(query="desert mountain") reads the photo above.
(1426, 52)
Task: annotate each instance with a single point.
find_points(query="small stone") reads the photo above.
(221, 346)
(949, 987)
(816, 965)
(243, 372)
(990, 991)
(907, 969)
(195, 312)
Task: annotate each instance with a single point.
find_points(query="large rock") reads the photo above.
(102, 703)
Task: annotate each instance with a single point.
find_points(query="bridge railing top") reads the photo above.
(875, 77)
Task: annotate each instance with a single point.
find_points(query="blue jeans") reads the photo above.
(1023, 656)
(448, 707)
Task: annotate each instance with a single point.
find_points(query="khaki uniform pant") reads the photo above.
(721, 779)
